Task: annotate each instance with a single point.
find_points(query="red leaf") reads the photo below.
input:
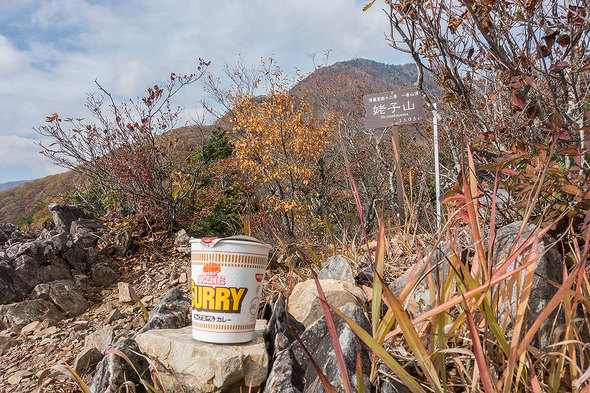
(518, 101)
(558, 67)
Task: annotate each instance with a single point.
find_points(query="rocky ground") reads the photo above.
(39, 345)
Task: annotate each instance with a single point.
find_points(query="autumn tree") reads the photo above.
(279, 139)
(134, 169)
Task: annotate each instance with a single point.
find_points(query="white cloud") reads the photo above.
(51, 51)
(11, 60)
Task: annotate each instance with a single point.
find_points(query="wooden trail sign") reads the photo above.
(394, 108)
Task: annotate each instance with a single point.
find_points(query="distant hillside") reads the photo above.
(387, 76)
(12, 184)
(32, 197)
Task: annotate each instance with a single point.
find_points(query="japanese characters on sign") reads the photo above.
(393, 108)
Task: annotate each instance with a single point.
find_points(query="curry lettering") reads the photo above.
(218, 299)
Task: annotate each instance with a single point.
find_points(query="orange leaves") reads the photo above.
(281, 141)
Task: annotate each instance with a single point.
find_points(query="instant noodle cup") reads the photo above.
(226, 284)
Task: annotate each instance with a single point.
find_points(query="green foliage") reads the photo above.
(223, 219)
(219, 147)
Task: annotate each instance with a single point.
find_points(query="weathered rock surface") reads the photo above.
(64, 215)
(16, 315)
(337, 268)
(305, 305)
(118, 242)
(549, 266)
(219, 367)
(173, 312)
(85, 232)
(113, 370)
(64, 296)
(126, 293)
(87, 359)
(291, 369)
(100, 339)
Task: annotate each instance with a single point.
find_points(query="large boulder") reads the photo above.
(172, 312)
(291, 369)
(64, 215)
(305, 305)
(12, 287)
(549, 266)
(86, 232)
(6, 230)
(16, 315)
(204, 367)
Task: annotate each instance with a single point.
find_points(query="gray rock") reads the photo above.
(6, 230)
(181, 238)
(23, 313)
(118, 242)
(76, 258)
(86, 232)
(305, 305)
(549, 266)
(100, 339)
(114, 316)
(419, 301)
(173, 312)
(291, 370)
(126, 293)
(114, 370)
(219, 368)
(7, 342)
(338, 268)
(12, 287)
(103, 274)
(64, 215)
(88, 358)
(64, 296)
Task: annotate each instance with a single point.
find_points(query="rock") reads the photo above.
(182, 238)
(549, 266)
(115, 315)
(291, 370)
(61, 241)
(419, 302)
(183, 278)
(64, 215)
(173, 312)
(7, 342)
(88, 358)
(6, 230)
(219, 367)
(126, 293)
(337, 268)
(285, 371)
(63, 295)
(305, 306)
(76, 258)
(100, 339)
(86, 232)
(103, 275)
(118, 242)
(23, 313)
(68, 300)
(114, 370)
(12, 287)
(30, 328)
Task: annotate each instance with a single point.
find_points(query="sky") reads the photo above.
(52, 51)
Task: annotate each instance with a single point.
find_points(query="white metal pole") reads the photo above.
(436, 166)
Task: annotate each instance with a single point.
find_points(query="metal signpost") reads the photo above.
(395, 108)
